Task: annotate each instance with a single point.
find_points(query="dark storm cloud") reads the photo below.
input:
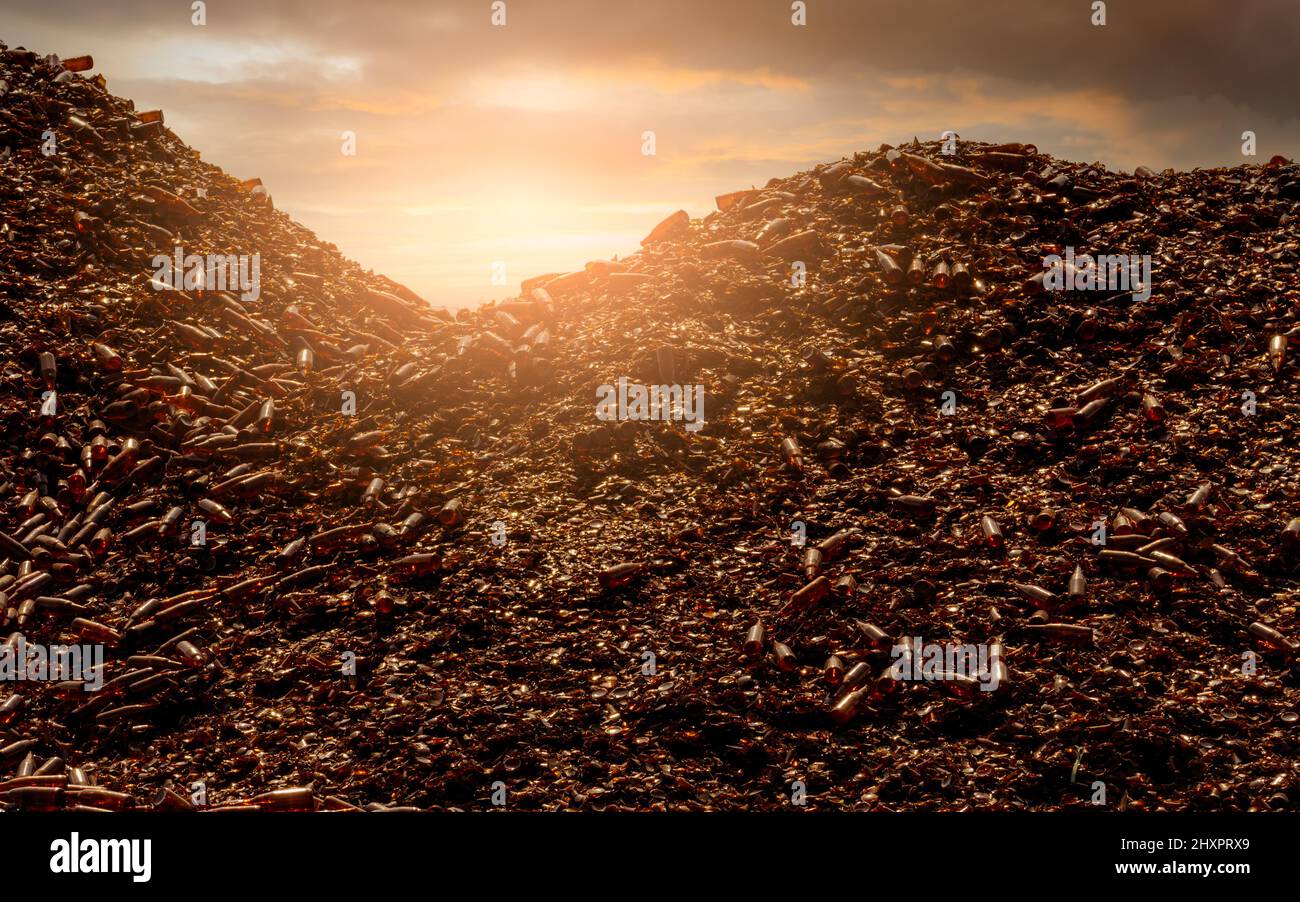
(1242, 50)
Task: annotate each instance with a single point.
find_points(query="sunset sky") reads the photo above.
(522, 143)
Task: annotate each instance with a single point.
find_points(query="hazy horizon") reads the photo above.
(522, 143)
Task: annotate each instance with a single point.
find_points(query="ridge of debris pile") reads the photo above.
(344, 550)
